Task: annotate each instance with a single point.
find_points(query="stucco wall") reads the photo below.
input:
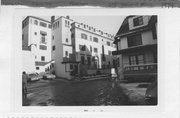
(28, 64)
(35, 39)
(90, 43)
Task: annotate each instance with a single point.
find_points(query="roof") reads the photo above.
(40, 63)
(124, 28)
(36, 18)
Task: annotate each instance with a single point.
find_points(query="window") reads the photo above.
(82, 59)
(95, 50)
(58, 24)
(66, 23)
(35, 33)
(132, 60)
(109, 53)
(67, 40)
(134, 40)
(83, 36)
(136, 59)
(138, 21)
(108, 43)
(53, 37)
(53, 48)
(66, 53)
(35, 22)
(43, 39)
(42, 47)
(23, 37)
(89, 60)
(42, 58)
(49, 26)
(82, 47)
(71, 66)
(90, 38)
(43, 24)
(37, 68)
(95, 39)
(72, 35)
(90, 48)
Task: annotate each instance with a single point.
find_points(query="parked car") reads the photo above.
(33, 77)
(48, 76)
(151, 94)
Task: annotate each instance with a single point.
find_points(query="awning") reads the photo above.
(42, 32)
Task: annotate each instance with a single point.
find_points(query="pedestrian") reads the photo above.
(24, 86)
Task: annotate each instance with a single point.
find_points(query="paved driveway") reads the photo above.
(60, 93)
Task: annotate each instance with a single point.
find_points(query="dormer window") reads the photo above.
(138, 21)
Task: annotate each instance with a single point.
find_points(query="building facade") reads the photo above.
(136, 48)
(78, 48)
(36, 44)
(65, 46)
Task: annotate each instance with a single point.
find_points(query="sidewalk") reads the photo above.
(135, 92)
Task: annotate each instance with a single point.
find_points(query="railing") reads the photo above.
(141, 69)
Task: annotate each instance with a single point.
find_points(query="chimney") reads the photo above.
(52, 19)
(67, 17)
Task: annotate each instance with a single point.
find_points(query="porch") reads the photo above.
(141, 72)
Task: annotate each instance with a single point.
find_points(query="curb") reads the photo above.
(134, 96)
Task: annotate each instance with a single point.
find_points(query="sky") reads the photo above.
(108, 24)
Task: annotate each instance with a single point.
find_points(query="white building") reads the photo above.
(73, 48)
(79, 48)
(36, 44)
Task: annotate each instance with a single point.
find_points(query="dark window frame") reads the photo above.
(84, 36)
(95, 39)
(42, 47)
(96, 50)
(135, 60)
(134, 40)
(42, 58)
(66, 53)
(35, 22)
(108, 43)
(43, 24)
(138, 21)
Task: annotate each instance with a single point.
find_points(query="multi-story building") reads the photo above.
(78, 48)
(136, 43)
(67, 47)
(36, 44)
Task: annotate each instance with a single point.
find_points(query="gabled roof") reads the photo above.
(124, 29)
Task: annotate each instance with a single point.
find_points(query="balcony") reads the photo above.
(145, 69)
(136, 48)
